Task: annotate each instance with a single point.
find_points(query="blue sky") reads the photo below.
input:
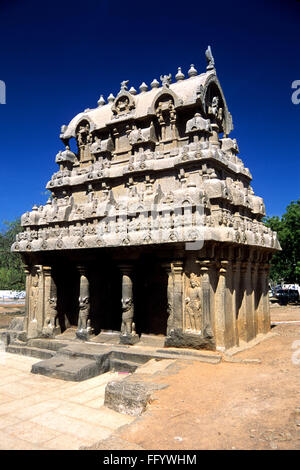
(58, 57)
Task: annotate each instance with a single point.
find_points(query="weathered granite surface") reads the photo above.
(155, 209)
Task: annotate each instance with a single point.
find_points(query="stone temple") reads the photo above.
(152, 228)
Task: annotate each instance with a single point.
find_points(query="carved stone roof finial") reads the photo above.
(179, 75)
(111, 98)
(124, 84)
(143, 87)
(132, 91)
(210, 59)
(166, 80)
(192, 71)
(154, 83)
(101, 101)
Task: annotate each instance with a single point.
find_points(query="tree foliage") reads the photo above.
(285, 264)
(11, 268)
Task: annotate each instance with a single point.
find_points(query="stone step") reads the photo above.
(46, 343)
(184, 355)
(30, 351)
(120, 365)
(155, 341)
(68, 368)
(137, 358)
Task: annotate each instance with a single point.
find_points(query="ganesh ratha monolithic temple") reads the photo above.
(152, 227)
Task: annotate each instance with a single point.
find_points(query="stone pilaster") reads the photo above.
(35, 302)
(254, 277)
(220, 306)
(84, 329)
(170, 297)
(246, 314)
(236, 274)
(263, 310)
(176, 336)
(177, 267)
(230, 321)
(128, 334)
(27, 290)
(205, 267)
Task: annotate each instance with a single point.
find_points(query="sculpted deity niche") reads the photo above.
(124, 102)
(214, 110)
(166, 115)
(95, 147)
(83, 134)
(193, 304)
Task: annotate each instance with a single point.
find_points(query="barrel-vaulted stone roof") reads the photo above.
(187, 92)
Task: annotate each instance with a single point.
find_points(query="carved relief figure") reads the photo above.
(84, 310)
(215, 110)
(51, 319)
(193, 304)
(127, 327)
(34, 297)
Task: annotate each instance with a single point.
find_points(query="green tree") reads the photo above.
(11, 269)
(285, 264)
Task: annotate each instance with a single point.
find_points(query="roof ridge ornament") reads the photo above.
(179, 75)
(192, 71)
(132, 91)
(166, 80)
(111, 98)
(143, 87)
(124, 84)
(154, 83)
(101, 101)
(210, 59)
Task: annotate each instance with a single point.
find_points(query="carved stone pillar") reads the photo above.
(220, 307)
(176, 337)
(27, 290)
(245, 317)
(50, 325)
(236, 274)
(35, 302)
(84, 328)
(170, 299)
(128, 334)
(177, 267)
(254, 276)
(263, 310)
(205, 267)
(225, 323)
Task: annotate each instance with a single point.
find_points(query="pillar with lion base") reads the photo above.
(128, 333)
(51, 326)
(84, 329)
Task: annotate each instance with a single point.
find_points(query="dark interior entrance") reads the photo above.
(150, 296)
(105, 286)
(66, 278)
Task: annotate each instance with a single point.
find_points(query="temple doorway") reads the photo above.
(150, 296)
(67, 281)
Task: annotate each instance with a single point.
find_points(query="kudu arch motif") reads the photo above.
(156, 179)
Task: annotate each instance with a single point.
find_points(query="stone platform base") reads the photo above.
(67, 368)
(181, 339)
(129, 339)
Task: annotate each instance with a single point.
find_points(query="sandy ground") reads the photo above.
(229, 405)
(8, 312)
